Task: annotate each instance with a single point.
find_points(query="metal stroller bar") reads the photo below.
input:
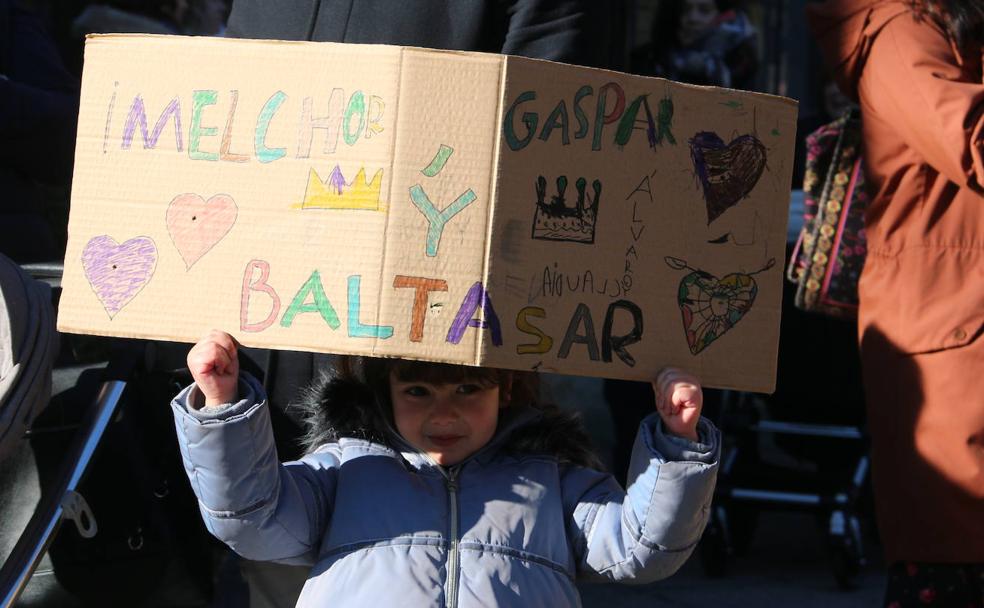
(34, 541)
(49, 272)
(810, 430)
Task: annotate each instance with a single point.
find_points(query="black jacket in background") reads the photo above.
(39, 105)
(573, 31)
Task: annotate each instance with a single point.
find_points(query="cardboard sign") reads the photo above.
(446, 206)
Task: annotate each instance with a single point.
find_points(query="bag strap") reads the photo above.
(835, 159)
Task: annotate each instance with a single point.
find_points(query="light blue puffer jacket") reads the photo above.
(385, 526)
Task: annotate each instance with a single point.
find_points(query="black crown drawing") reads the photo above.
(557, 221)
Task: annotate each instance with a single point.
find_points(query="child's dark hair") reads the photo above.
(961, 19)
(363, 382)
(522, 387)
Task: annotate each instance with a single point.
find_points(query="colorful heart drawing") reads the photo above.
(712, 306)
(117, 272)
(196, 225)
(727, 172)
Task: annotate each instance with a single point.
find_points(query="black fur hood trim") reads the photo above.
(335, 407)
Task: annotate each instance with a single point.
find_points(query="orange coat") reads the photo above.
(921, 312)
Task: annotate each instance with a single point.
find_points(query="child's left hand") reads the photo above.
(679, 400)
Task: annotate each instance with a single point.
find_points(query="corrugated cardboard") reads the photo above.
(393, 201)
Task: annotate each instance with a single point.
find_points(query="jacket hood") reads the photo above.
(334, 407)
(844, 30)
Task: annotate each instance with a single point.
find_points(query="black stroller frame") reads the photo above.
(63, 502)
(739, 496)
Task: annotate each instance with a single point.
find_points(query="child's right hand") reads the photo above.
(214, 364)
(679, 400)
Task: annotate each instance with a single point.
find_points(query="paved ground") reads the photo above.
(784, 566)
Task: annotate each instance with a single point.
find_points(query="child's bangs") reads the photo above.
(443, 373)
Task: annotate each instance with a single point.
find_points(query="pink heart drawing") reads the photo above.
(118, 272)
(196, 225)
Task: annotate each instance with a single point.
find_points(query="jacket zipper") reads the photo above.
(452, 590)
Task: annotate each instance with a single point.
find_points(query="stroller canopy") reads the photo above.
(27, 350)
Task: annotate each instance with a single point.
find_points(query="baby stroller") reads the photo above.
(86, 436)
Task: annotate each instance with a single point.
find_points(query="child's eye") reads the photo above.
(468, 389)
(415, 391)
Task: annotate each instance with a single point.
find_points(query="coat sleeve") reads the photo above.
(912, 80)
(573, 31)
(646, 533)
(39, 102)
(262, 509)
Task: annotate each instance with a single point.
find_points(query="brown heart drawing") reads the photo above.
(727, 172)
(196, 225)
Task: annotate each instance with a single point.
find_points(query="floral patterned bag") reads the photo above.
(829, 254)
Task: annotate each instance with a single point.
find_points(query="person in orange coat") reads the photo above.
(915, 68)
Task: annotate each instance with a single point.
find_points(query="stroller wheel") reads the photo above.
(714, 546)
(847, 567)
(846, 554)
(743, 520)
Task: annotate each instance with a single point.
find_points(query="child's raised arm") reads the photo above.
(262, 509)
(648, 531)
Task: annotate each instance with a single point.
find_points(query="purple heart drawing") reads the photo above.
(727, 172)
(117, 272)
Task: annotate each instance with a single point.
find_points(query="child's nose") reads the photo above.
(444, 411)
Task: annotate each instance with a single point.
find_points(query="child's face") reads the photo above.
(448, 422)
(696, 19)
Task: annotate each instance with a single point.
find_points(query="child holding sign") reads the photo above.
(429, 484)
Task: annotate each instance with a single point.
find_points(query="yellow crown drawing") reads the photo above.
(336, 193)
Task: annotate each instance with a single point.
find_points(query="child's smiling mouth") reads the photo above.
(444, 441)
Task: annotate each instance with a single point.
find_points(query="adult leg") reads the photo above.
(926, 418)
